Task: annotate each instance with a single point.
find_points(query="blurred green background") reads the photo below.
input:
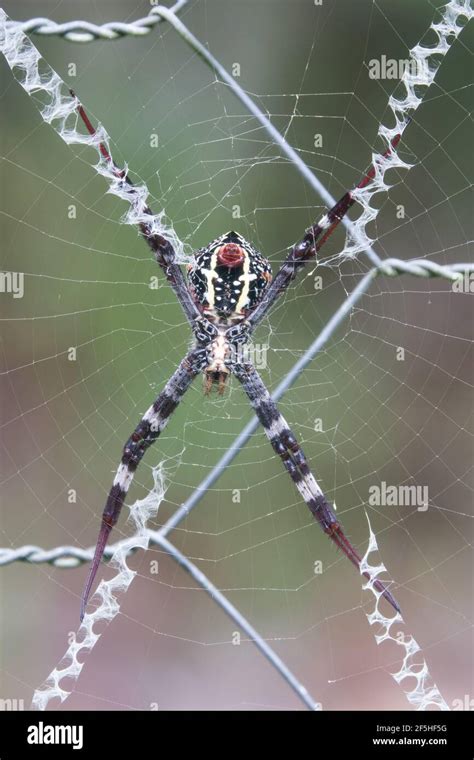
(87, 286)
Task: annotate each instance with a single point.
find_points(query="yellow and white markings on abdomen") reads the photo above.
(211, 275)
(246, 278)
(212, 295)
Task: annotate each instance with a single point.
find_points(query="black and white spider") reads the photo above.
(229, 291)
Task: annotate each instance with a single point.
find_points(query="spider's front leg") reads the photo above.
(286, 446)
(310, 245)
(146, 433)
(161, 248)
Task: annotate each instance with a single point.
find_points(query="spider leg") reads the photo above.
(310, 245)
(146, 433)
(286, 446)
(161, 248)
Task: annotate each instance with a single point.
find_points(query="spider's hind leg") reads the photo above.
(144, 435)
(288, 449)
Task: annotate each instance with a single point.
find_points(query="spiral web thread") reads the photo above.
(58, 109)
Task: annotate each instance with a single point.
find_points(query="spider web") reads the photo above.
(97, 333)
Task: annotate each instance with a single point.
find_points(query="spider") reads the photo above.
(228, 291)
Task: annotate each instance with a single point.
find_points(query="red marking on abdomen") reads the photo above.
(230, 255)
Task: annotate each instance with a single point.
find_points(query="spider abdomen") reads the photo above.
(228, 277)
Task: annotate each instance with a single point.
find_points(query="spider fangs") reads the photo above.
(227, 279)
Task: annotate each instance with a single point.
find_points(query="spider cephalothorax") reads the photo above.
(228, 278)
(229, 292)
